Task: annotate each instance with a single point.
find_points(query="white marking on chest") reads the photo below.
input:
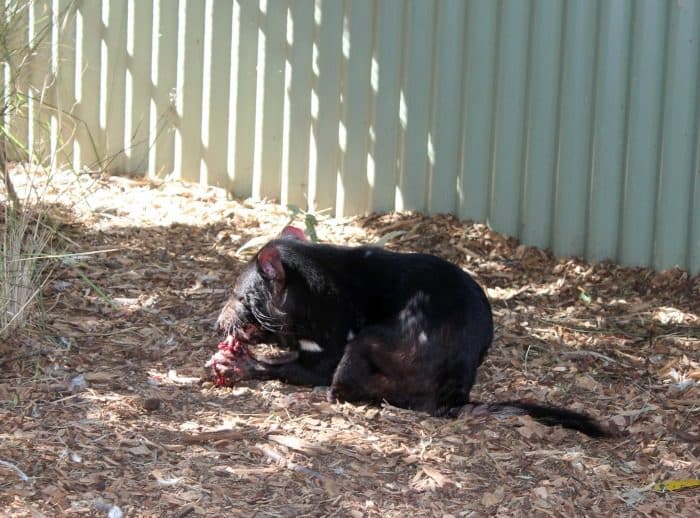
(422, 337)
(309, 346)
(350, 337)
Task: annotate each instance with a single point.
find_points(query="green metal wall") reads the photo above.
(572, 125)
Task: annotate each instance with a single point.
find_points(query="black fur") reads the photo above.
(410, 329)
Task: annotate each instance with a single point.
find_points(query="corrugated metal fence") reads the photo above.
(570, 124)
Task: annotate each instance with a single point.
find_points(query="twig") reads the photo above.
(61, 400)
(279, 458)
(65, 256)
(494, 461)
(4, 173)
(217, 435)
(583, 329)
(19, 472)
(591, 353)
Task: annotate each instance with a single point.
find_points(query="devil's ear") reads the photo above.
(270, 264)
(293, 232)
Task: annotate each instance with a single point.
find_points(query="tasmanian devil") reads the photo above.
(410, 329)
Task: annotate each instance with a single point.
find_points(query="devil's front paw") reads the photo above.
(335, 394)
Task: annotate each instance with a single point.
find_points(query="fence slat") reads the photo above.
(448, 74)
(89, 149)
(190, 89)
(610, 113)
(42, 86)
(571, 195)
(694, 234)
(645, 98)
(163, 114)
(353, 189)
(19, 78)
(328, 154)
(509, 140)
(298, 100)
(113, 85)
(138, 85)
(417, 90)
(479, 81)
(679, 135)
(245, 63)
(217, 93)
(541, 119)
(267, 174)
(386, 113)
(65, 80)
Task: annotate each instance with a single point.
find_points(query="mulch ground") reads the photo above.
(101, 413)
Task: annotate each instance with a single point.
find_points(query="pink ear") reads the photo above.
(294, 232)
(270, 263)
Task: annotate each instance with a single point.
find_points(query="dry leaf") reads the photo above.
(492, 499)
(438, 477)
(100, 376)
(587, 382)
(619, 420)
(139, 450)
(298, 444)
(530, 428)
(676, 485)
(541, 492)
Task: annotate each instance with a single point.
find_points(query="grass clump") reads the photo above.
(23, 266)
(25, 41)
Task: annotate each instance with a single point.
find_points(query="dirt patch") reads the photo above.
(101, 412)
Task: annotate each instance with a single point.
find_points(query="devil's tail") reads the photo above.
(547, 415)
